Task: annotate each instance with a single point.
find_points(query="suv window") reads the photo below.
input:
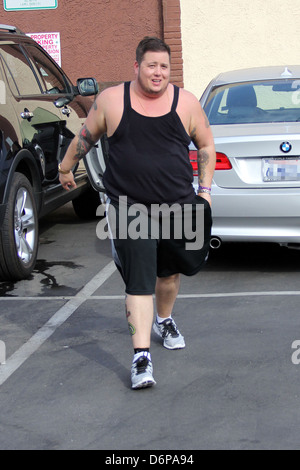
(52, 80)
(20, 76)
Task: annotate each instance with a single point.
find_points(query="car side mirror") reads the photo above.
(87, 86)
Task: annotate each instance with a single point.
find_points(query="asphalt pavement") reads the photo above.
(66, 381)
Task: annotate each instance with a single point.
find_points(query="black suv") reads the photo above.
(40, 112)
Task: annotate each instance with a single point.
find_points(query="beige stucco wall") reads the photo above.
(220, 35)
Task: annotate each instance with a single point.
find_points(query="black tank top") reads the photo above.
(149, 158)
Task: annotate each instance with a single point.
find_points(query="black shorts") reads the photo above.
(158, 246)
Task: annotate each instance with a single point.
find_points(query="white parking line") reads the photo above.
(180, 296)
(73, 303)
(62, 315)
(210, 296)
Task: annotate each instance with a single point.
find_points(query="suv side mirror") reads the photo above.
(87, 86)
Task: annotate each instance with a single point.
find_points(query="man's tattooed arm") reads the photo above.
(203, 160)
(84, 144)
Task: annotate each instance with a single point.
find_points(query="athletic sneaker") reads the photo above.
(170, 334)
(141, 372)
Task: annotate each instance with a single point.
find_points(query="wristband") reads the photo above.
(204, 189)
(63, 172)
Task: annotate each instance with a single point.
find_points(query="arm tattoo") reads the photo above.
(84, 144)
(203, 160)
(202, 157)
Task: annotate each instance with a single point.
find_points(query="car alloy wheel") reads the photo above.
(19, 232)
(25, 225)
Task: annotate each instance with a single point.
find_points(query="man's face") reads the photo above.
(153, 75)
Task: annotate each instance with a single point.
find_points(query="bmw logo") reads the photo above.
(286, 147)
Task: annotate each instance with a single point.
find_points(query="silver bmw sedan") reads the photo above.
(255, 118)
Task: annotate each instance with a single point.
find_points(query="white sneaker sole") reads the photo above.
(146, 383)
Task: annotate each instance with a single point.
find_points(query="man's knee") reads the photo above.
(173, 279)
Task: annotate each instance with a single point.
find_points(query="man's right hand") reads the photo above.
(67, 181)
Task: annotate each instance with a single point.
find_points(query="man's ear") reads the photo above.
(136, 67)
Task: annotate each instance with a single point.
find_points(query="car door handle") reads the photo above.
(26, 114)
(66, 111)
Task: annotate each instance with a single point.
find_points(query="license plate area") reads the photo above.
(281, 169)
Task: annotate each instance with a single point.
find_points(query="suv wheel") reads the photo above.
(19, 233)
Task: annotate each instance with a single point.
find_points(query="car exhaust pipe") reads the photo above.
(291, 246)
(215, 243)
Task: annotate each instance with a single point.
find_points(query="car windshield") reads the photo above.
(259, 101)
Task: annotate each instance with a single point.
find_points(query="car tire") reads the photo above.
(85, 205)
(19, 232)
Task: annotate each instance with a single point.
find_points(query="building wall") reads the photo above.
(98, 37)
(220, 35)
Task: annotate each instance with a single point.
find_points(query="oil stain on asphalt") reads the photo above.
(46, 274)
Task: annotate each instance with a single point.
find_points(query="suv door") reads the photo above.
(73, 108)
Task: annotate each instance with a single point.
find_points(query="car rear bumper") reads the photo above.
(260, 215)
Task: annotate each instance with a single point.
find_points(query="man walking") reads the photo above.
(149, 124)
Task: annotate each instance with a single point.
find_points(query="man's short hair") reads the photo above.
(153, 44)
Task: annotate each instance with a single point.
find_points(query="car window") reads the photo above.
(52, 79)
(20, 75)
(265, 101)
